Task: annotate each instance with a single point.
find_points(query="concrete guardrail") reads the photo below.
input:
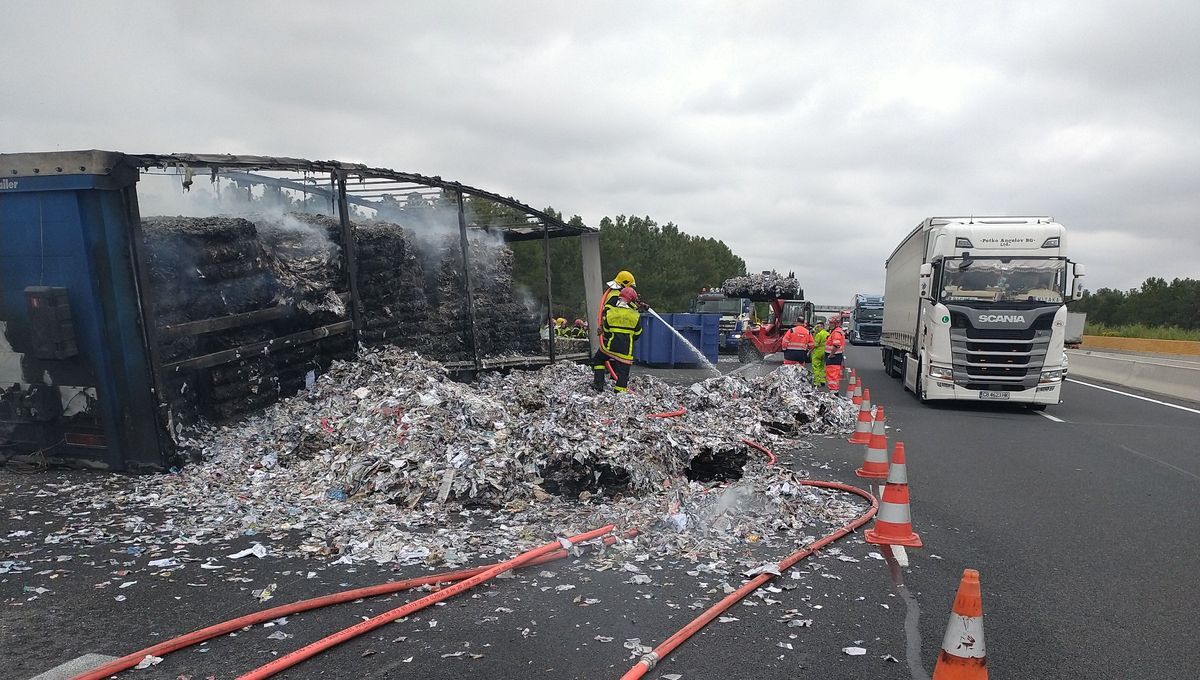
(1172, 377)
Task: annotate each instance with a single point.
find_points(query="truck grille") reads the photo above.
(726, 326)
(998, 359)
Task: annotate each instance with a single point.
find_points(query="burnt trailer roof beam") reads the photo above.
(224, 164)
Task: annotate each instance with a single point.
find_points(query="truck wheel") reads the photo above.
(921, 383)
(1037, 407)
(887, 363)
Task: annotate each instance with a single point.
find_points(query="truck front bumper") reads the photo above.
(1049, 393)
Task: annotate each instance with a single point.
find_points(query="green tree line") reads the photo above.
(670, 265)
(1156, 303)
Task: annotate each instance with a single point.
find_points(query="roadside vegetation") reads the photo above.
(1143, 331)
(1159, 309)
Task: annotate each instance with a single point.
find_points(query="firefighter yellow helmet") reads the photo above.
(625, 278)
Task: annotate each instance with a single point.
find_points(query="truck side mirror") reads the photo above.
(925, 280)
(1080, 270)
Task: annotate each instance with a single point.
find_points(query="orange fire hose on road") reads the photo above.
(651, 659)
(197, 636)
(311, 650)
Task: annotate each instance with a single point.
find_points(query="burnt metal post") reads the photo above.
(466, 258)
(549, 292)
(349, 254)
(593, 282)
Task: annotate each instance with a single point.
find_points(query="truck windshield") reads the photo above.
(1003, 280)
(869, 314)
(724, 306)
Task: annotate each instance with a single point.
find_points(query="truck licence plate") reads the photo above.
(993, 395)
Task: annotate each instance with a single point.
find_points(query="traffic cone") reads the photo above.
(964, 654)
(862, 429)
(856, 395)
(893, 523)
(850, 385)
(875, 464)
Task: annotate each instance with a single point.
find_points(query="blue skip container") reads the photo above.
(658, 346)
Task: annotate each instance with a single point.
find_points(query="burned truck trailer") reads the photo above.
(117, 329)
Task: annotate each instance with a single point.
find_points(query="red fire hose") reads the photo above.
(197, 636)
(755, 445)
(668, 414)
(649, 660)
(311, 650)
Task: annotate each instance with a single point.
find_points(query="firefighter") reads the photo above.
(560, 326)
(835, 345)
(621, 326)
(580, 330)
(818, 353)
(612, 292)
(797, 343)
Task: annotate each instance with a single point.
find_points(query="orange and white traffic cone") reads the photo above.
(893, 524)
(856, 395)
(964, 654)
(862, 429)
(875, 464)
(850, 383)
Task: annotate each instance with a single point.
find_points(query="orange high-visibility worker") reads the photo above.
(797, 343)
(835, 345)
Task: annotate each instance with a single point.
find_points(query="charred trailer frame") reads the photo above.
(83, 378)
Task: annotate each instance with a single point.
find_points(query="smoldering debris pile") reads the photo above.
(765, 286)
(412, 292)
(382, 446)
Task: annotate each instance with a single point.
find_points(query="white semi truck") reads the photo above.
(976, 309)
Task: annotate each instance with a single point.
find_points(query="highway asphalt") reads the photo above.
(1085, 532)
(1084, 526)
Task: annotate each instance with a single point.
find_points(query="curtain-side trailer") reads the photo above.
(976, 309)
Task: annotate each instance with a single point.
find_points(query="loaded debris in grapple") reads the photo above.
(765, 286)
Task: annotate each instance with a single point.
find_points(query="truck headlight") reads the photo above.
(737, 336)
(1051, 376)
(939, 373)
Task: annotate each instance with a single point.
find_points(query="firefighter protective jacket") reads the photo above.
(836, 342)
(622, 324)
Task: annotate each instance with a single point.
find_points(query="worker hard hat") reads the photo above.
(560, 321)
(625, 278)
(579, 323)
(629, 294)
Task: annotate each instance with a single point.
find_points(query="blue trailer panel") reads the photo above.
(68, 223)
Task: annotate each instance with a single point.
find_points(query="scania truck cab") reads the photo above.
(976, 309)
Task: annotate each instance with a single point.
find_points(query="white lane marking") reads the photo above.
(1160, 462)
(900, 554)
(1050, 417)
(1136, 396)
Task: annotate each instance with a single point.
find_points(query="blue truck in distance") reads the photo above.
(734, 313)
(865, 326)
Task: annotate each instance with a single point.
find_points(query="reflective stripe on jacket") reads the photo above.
(836, 341)
(798, 338)
(621, 326)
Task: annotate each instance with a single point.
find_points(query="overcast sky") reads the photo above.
(808, 136)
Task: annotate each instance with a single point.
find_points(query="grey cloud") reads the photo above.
(808, 137)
